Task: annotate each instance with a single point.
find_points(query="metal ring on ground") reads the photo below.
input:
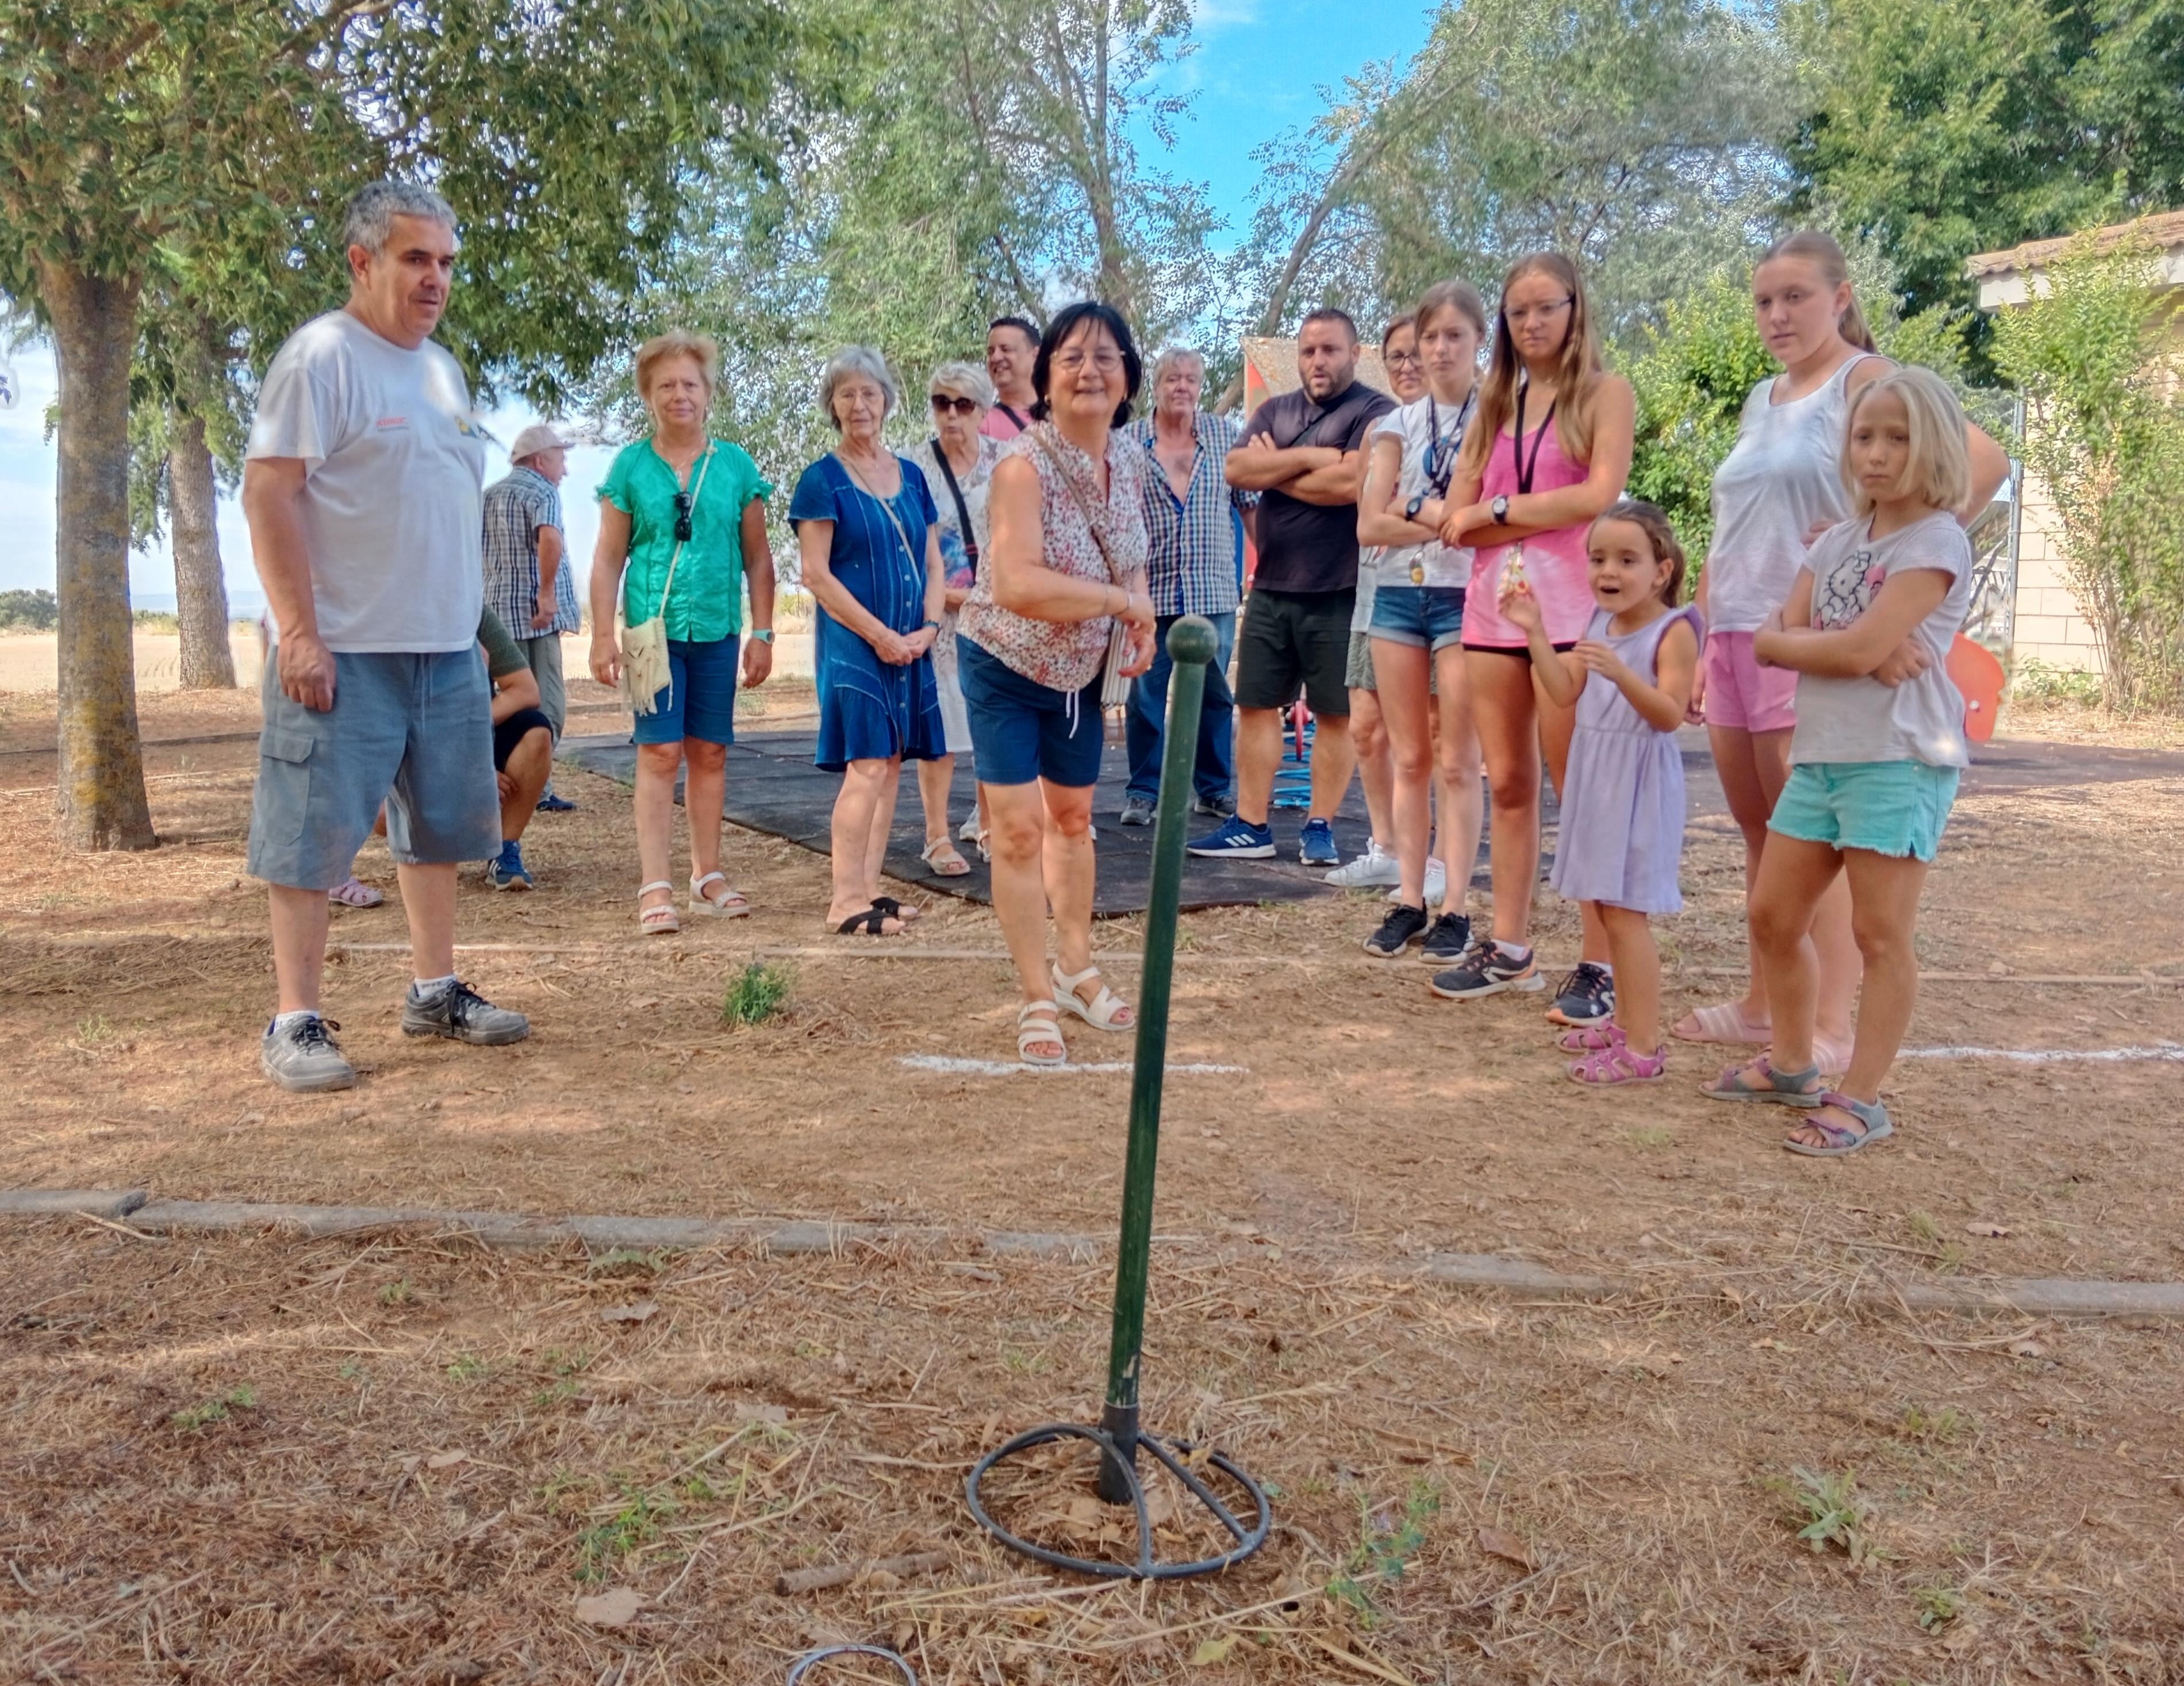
(804, 1663)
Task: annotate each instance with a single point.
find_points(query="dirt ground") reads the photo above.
(1369, 1124)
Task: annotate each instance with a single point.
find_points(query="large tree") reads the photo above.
(1951, 127)
(231, 133)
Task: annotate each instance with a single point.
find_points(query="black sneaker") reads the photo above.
(1584, 998)
(1447, 940)
(1397, 931)
(1484, 969)
(1137, 811)
(1215, 807)
(460, 1012)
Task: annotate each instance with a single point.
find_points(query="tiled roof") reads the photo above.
(2166, 230)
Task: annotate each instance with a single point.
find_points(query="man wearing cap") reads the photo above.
(525, 582)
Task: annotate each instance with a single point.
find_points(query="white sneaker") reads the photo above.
(1436, 883)
(1375, 867)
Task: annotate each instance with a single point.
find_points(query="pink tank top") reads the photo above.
(1554, 561)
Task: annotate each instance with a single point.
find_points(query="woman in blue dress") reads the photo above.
(865, 525)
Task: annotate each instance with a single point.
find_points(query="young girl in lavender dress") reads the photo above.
(1621, 830)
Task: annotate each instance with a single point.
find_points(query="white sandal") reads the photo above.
(945, 859)
(1035, 1023)
(1100, 1012)
(661, 920)
(733, 905)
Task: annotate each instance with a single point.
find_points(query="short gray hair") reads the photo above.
(1173, 354)
(371, 213)
(966, 380)
(850, 363)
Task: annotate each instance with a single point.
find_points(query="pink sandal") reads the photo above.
(1618, 1063)
(353, 891)
(1589, 1039)
(1723, 1022)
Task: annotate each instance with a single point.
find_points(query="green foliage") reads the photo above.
(194, 1417)
(2094, 354)
(1937, 1606)
(467, 1367)
(1830, 1512)
(759, 991)
(1387, 1539)
(36, 611)
(1950, 127)
(637, 1524)
(2035, 681)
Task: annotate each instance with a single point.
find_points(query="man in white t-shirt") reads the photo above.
(364, 488)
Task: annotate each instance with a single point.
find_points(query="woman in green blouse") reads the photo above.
(680, 502)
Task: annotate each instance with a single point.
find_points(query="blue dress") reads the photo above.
(868, 708)
(1621, 836)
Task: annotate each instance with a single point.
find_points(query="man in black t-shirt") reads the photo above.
(1303, 453)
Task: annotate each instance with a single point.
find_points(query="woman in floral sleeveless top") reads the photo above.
(1067, 562)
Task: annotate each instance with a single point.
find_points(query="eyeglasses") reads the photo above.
(945, 405)
(681, 518)
(1106, 362)
(1539, 312)
(1411, 358)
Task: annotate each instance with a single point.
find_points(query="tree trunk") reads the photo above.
(200, 587)
(101, 802)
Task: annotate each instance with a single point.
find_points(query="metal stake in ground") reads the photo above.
(1191, 645)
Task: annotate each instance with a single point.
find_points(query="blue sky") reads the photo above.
(1259, 70)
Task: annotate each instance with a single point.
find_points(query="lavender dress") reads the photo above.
(1622, 832)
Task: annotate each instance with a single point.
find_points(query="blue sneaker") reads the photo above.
(1316, 847)
(1237, 840)
(551, 803)
(507, 872)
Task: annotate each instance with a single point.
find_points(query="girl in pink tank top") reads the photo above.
(1554, 560)
(1548, 451)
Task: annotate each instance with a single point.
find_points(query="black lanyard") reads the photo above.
(1442, 453)
(1526, 471)
(962, 510)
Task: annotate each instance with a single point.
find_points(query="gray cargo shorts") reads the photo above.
(413, 731)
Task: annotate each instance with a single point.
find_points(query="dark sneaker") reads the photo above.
(1586, 997)
(303, 1058)
(460, 1012)
(551, 803)
(1316, 847)
(1397, 931)
(1484, 969)
(1215, 807)
(1238, 840)
(507, 872)
(1137, 811)
(1448, 939)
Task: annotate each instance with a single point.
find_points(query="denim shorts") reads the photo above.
(1425, 617)
(699, 700)
(1022, 730)
(413, 731)
(1893, 808)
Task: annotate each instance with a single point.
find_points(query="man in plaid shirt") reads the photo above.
(1194, 521)
(527, 583)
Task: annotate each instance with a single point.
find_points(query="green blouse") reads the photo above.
(707, 601)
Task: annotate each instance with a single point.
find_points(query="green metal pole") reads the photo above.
(1192, 644)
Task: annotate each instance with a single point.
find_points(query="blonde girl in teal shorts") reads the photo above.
(1875, 758)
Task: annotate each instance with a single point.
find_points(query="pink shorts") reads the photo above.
(1743, 695)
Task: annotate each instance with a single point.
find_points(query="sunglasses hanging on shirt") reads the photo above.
(681, 518)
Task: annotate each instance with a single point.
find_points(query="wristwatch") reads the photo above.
(763, 634)
(1411, 509)
(1499, 508)
(934, 624)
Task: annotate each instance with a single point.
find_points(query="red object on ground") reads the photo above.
(1976, 673)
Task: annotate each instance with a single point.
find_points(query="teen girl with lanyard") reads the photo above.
(1417, 623)
(1547, 451)
(1779, 487)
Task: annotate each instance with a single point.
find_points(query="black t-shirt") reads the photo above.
(1312, 546)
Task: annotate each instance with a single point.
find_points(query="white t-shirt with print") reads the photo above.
(392, 506)
(1413, 427)
(1862, 719)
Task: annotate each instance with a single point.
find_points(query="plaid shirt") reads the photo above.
(1192, 564)
(514, 509)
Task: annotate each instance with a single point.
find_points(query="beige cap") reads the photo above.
(537, 438)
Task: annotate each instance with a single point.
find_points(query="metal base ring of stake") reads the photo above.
(1192, 644)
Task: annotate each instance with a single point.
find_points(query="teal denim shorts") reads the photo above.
(1895, 807)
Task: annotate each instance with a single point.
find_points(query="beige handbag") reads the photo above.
(644, 669)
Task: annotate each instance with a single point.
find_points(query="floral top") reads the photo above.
(1067, 655)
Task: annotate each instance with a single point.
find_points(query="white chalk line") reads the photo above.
(2052, 1056)
(946, 1065)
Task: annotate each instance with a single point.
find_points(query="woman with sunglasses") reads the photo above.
(865, 532)
(681, 527)
(958, 465)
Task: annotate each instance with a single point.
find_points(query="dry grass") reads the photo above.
(256, 1461)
